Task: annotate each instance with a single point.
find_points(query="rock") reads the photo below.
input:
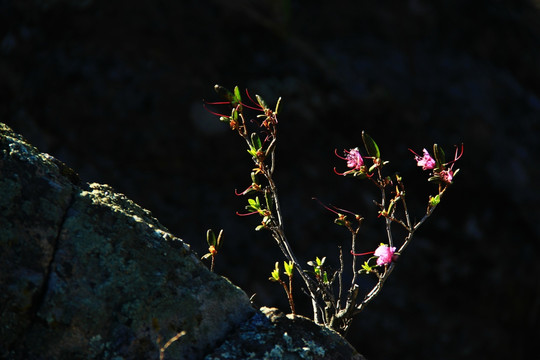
(88, 274)
(270, 334)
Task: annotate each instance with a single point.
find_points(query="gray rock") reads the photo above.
(270, 334)
(88, 274)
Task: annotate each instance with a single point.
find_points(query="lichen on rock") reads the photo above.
(87, 273)
(270, 334)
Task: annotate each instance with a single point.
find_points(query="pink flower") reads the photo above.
(426, 161)
(447, 176)
(384, 254)
(354, 159)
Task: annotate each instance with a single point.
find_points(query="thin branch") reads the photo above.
(340, 279)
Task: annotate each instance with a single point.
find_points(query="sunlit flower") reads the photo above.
(425, 161)
(384, 254)
(354, 159)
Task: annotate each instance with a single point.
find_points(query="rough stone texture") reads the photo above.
(34, 197)
(270, 334)
(88, 274)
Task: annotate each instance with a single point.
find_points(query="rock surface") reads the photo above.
(88, 274)
(270, 334)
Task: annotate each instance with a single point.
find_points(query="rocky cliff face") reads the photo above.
(88, 274)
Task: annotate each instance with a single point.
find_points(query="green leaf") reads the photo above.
(438, 152)
(237, 96)
(252, 151)
(275, 272)
(434, 200)
(277, 106)
(261, 102)
(288, 267)
(256, 141)
(320, 262)
(366, 267)
(254, 204)
(325, 278)
(219, 239)
(211, 238)
(225, 94)
(371, 146)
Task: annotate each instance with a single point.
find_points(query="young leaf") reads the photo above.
(225, 94)
(237, 96)
(234, 114)
(211, 238)
(277, 106)
(439, 155)
(261, 102)
(275, 272)
(256, 141)
(288, 267)
(254, 178)
(366, 267)
(254, 204)
(219, 239)
(434, 200)
(325, 278)
(371, 146)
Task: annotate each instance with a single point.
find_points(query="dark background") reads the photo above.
(115, 89)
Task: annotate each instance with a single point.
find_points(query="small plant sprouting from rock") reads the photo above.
(334, 304)
(214, 243)
(289, 270)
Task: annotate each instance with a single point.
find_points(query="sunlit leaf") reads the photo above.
(237, 96)
(275, 272)
(277, 106)
(261, 102)
(219, 239)
(288, 267)
(371, 146)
